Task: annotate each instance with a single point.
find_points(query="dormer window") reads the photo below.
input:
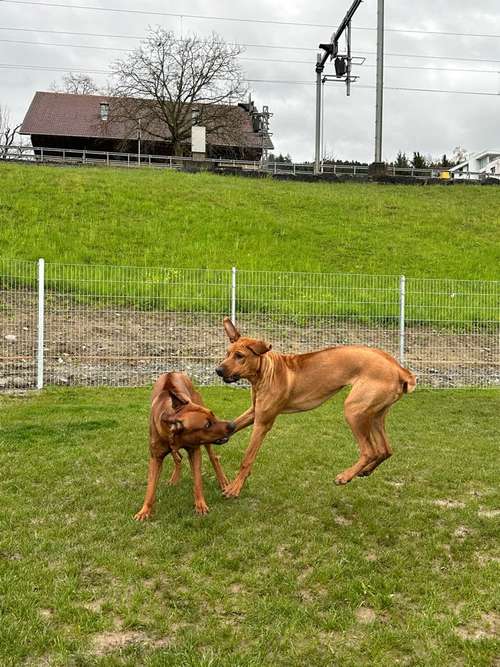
(104, 106)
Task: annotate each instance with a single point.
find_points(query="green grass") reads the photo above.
(398, 568)
(160, 218)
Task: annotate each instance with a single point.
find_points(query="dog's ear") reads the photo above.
(178, 393)
(179, 399)
(259, 347)
(232, 332)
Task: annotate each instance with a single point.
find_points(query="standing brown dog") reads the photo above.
(179, 420)
(284, 383)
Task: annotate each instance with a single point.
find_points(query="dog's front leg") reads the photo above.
(259, 432)
(195, 461)
(155, 465)
(245, 419)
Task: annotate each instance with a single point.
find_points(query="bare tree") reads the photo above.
(460, 154)
(75, 83)
(168, 84)
(8, 131)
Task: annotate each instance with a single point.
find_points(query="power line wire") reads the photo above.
(273, 81)
(258, 46)
(240, 19)
(253, 59)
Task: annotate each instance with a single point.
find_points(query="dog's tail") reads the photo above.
(408, 380)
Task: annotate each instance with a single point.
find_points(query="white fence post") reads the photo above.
(40, 323)
(233, 295)
(402, 294)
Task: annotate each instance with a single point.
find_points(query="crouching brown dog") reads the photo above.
(179, 420)
(284, 383)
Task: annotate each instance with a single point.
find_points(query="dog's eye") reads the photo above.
(208, 425)
(239, 356)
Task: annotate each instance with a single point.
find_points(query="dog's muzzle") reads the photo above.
(231, 427)
(228, 379)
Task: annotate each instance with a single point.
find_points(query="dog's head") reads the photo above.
(192, 424)
(243, 357)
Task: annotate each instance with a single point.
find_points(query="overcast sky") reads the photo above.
(433, 123)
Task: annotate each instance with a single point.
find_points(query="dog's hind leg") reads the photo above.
(359, 417)
(177, 471)
(380, 442)
(215, 461)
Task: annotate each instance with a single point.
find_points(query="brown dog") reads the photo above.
(179, 420)
(296, 382)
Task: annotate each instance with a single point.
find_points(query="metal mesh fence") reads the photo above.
(18, 324)
(122, 326)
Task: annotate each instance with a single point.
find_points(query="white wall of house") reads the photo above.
(478, 165)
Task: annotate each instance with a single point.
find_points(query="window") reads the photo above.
(104, 110)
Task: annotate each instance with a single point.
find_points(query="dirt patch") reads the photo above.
(485, 559)
(236, 589)
(395, 482)
(489, 514)
(462, 532)
(122, 346)
(365, 615)
(95, 606)
(487, 627)
(306, 596)
(371, 556)
(448, 504)
(106, 642)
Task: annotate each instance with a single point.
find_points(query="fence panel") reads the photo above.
(108, 325)
(18, 324)
(453, 331)
(122, 326)
(300, 312)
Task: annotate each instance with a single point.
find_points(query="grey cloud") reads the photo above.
(430, 122)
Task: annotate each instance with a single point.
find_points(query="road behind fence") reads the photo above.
(122, 326)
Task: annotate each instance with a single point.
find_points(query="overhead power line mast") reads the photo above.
(342, 71)
(379, 108)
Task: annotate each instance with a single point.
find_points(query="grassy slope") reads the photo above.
(111, 216)
(295, 572)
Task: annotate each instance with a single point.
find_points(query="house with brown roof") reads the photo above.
(93, 123)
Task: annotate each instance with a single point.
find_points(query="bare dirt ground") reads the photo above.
(86, 345)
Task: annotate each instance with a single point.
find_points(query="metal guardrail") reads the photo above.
(135, 160)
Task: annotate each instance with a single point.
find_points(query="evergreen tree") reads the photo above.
(401, 160)
(418, 161)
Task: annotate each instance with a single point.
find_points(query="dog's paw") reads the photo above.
(142, 515)
(232, 490)
(201, 507)
(224, 483)
(342, 479)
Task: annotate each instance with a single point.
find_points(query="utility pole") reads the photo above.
(330, 51)
(317, 146)
(380, 82)
(139, 144)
